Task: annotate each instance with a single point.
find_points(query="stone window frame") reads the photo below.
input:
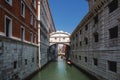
(9, 2)
(10, 26)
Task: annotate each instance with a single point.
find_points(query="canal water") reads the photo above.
(60, 71)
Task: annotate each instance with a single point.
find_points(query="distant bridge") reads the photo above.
(59, 37)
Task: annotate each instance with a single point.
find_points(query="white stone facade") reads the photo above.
(98, 55)
(46, 26)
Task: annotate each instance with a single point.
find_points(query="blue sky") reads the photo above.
(68, 13)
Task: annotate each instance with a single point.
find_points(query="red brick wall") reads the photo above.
(16, 24)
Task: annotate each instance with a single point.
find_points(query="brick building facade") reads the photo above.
(95, 43)
(18, 38)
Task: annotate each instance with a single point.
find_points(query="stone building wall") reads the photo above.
(100, 58)
(17, 59)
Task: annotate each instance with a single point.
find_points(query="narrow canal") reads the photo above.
(60, 71)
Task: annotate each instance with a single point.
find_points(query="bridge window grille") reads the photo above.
(113, 32)
(112, 66)
(113, 6)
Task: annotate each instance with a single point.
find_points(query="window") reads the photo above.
(113, 32)
(35, 39)
(34, 22)
(80, 43)
(113, 6)
(86, 41)
(76, 56)
(79, 57)
(22, 9)
(33, 59)
(96, 19)
(31, 37)
(95, 61)
(86, 27)
(8, 26)
(96, 37)
(85, 59)
(25, 61)
(34, 3)
(15, 64)
(112, 66)
(9, 2)
(80, 32)
(31, 19)
(22, 33)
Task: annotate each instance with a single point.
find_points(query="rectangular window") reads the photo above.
(35, 23)
(22, 9)
(31, 19)
(25, 61)
(35, 39)
(33, 59)
(15, 64)
(22, 33)
(8, 26)
(34, 3)
(76, 56)
(9, 2)
(80, 43)
(85, 59)
(113, 32)
(31, 37)
(112, 66)
(95, 61)
(96, 37)
(86, 27)
(113, 6)
(96, 19)
(80, 32)
(79, 57)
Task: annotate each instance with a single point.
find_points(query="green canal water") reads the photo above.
(60, 71)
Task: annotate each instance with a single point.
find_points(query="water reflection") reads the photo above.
(60, 71)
